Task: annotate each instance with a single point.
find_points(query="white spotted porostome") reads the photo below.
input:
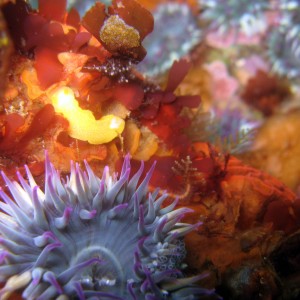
(91, 238)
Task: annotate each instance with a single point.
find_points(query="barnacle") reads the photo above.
(91, 237)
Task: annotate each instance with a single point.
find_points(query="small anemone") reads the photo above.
(243, 15)
(176, 32)
(290, 14)
(284, 52)
(284, 41)
(89, 238)
(83, 6)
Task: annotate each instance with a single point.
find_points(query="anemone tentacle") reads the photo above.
(91, 238)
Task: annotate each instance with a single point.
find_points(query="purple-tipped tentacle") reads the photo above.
(51, 278)
(63, 221)
(38, 210)
(88, 237)
(143, 187)
(23, 219)
(85, 214)
(115, 189)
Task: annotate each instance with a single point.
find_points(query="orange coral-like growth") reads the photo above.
(244, 211)
(245, 196)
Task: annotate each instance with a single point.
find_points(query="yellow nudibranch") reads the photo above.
(82, 123)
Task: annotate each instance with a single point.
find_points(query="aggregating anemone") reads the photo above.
(242, 15)
(91, 238)
(170, 39)
(284, 53)
(290, 14)
(284, 41)
(83, 6)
